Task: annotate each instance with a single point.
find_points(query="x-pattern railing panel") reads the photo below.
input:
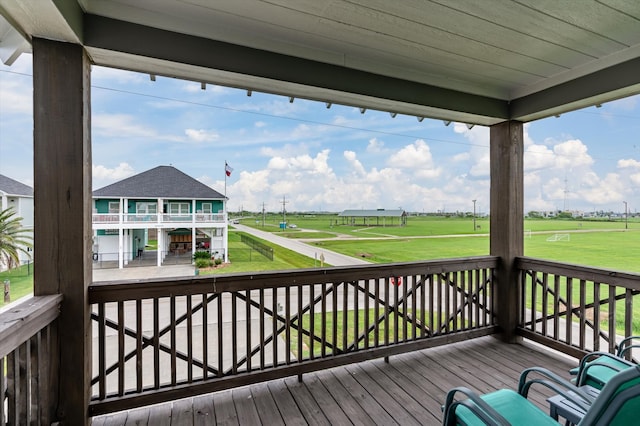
(586, 308)
(164, 341)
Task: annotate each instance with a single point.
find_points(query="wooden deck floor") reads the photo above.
(409, 390)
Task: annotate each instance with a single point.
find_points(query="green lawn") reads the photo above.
(424, 226)
(244, 261)
(21, 280)
(327, 326)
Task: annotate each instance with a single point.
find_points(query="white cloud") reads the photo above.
(16, 95)
(605, 191)
(121, 171)
(202, 135)
(355, 164)
(416, 157)
(628, 163)
(572, 153)
(538, 157)
(463, 156)
(375, 145)
(125, 126)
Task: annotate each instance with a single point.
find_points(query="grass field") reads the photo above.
(21, 280)
(244, 260)
(596, 243)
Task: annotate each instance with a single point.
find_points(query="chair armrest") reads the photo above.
(475, 404)
(627, 344)
(586, 364)
(557, 384)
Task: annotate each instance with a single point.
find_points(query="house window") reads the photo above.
(146, 208)
(114, 206)
(179, 208)
(206, 208)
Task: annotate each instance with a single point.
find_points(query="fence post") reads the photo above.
(7, 291)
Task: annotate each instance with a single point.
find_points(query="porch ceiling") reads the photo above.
(464, 60)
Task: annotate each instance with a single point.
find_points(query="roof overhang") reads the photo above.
(231, 44)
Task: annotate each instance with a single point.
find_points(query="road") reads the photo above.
(330, 257)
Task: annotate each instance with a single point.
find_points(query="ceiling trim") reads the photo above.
(119, 36)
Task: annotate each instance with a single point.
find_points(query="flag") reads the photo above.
(227, 169)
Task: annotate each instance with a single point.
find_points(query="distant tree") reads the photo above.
(13, 238)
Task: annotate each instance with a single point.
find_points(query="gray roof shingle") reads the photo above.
(13, 187)
(159, 182)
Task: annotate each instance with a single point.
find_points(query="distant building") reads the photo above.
(182, 213)
(378, 217)
(20, 197)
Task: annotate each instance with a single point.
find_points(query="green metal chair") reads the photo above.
(508, 407)
(597, 368)
(617, 404)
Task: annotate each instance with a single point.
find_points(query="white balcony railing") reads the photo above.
(133, 218)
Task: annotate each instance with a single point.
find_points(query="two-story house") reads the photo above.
(20, 197)
(182, 213)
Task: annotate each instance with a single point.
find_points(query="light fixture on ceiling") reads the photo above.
(152, 77)
(393, 114)
(420, 119)
(249, 92)
(328, 105)
(557, 115)
(470, 126)
(203, 85)
(446, 122)
(291, 99)
(362, 110)
(598, 105)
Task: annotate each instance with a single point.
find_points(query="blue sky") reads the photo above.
(322, 159)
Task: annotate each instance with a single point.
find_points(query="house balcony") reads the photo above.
(140, 220)
(369, 344)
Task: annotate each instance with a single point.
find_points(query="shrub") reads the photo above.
(201, 255)
(203, 263)
(218, 261)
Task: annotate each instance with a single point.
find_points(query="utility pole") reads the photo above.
(284, 213)
(474, 215)
(263, 214)
(626, 216)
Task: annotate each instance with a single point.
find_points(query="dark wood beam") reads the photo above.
(611, 83)
(119, 36)
(506, 238)
(62, 200)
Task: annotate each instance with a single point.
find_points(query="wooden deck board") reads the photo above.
(410, 389)
(306, 402)
(266, 406)
(286, 404)
(245, 407)
(203, 412)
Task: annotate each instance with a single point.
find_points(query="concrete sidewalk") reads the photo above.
(143, 272)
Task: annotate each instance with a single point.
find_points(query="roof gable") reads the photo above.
(159, 182)
(13, 187)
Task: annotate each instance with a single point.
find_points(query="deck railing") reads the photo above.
(150, 218)
(25, 344)
(157, 341)
(577, 309)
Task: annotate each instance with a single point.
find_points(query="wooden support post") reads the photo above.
(506, 240)
(62, 200)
